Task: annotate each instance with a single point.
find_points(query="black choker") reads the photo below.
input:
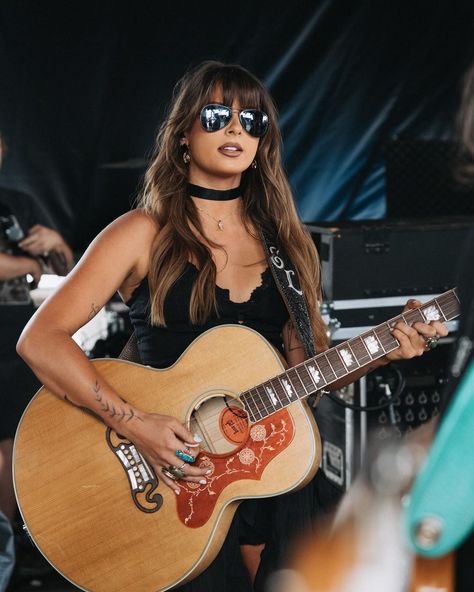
(214, 194)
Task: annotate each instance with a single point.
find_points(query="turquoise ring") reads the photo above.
(183, 456)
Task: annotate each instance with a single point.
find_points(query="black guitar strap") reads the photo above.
(288, 284)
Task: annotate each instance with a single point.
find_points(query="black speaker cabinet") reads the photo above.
(381, 258)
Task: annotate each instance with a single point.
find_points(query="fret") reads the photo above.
(246, 403)
(402, 316)
(348, 356)
(296, 382)
(280, 391)
(315, 374)
(271, 394)
(360, 349)
(258, 401)
(371, 344)
(306, 381)
(430, 312)
(252, 406)
(336, 362)
(288, 388)
(415, 316)
(449, 304)
(440, 308)
(386, 339)
(267, 404)
(326, 368)
(391, 342)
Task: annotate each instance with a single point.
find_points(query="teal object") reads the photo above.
(442, 498)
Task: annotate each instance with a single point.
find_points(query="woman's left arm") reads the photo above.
(412, 342)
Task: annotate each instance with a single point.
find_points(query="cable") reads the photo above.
(389, 399)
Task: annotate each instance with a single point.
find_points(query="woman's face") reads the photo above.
(218, 159)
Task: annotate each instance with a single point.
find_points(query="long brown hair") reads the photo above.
(267, 201)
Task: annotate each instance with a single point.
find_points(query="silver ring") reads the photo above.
(165, 472)
(176, 472)
(431, 342)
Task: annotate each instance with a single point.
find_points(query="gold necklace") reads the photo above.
(219, 221)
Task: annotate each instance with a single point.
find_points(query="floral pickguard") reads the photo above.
(266, 439)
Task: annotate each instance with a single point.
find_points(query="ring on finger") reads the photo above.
(165, 472)
(174, 471)
(187, 458)
(431, 342)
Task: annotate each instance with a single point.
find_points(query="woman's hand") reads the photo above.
(158, 437)
(413, 340)
(41, 241)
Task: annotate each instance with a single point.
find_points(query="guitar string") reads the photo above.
(410, 315)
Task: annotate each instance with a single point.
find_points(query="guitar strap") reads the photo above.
(288, 285)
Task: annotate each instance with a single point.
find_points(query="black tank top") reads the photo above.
(160, 347)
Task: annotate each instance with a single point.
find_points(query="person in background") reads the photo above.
(27, 248)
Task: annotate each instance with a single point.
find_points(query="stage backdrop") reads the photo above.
(84, 86)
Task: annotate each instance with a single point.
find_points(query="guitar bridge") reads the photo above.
(141, 477)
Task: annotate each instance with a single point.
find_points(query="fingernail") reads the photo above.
(209, 471)
(197, 438)
(202, 481)
(177, 491)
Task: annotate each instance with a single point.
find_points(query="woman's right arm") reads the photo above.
(116, 259)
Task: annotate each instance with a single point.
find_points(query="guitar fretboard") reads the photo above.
(335, 363)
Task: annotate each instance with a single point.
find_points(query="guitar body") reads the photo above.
(98, 512)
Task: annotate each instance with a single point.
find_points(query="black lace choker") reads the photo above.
(214, 194)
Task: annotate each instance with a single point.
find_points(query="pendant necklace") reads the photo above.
(215, 195)
(219, 221)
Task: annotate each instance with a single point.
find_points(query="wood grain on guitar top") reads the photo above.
(75, 494)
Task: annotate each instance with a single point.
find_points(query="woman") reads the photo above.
(192, 256)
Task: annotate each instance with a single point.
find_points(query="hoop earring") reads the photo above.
(254, 164)
(186, 157)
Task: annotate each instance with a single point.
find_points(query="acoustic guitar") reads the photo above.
(101, 515)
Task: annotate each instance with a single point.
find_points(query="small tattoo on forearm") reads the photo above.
(93, 311)
(118, 413)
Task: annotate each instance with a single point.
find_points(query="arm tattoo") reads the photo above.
(293, 340)
(109, 408)
(83, 408)
(93, 311)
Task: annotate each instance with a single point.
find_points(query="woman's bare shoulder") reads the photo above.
(137, 221)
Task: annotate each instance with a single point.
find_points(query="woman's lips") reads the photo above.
(231, 150)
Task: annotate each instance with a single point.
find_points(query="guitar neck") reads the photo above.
(320, 371)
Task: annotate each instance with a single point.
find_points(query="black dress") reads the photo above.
(274, 521)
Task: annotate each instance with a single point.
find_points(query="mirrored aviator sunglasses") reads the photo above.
(215, 117)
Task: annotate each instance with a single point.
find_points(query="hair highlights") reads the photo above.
(267, 199)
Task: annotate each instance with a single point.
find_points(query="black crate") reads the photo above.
(381, 258)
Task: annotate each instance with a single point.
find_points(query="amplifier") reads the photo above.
(348, 318)
(381, 258)
(345, 432)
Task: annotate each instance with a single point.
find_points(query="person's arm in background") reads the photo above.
(44, 241)
(12, 266)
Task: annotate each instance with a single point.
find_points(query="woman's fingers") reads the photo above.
(411, 342)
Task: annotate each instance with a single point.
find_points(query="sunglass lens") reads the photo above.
(254, 122)
(215, 117)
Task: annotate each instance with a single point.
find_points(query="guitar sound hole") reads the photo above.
(222, 424)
